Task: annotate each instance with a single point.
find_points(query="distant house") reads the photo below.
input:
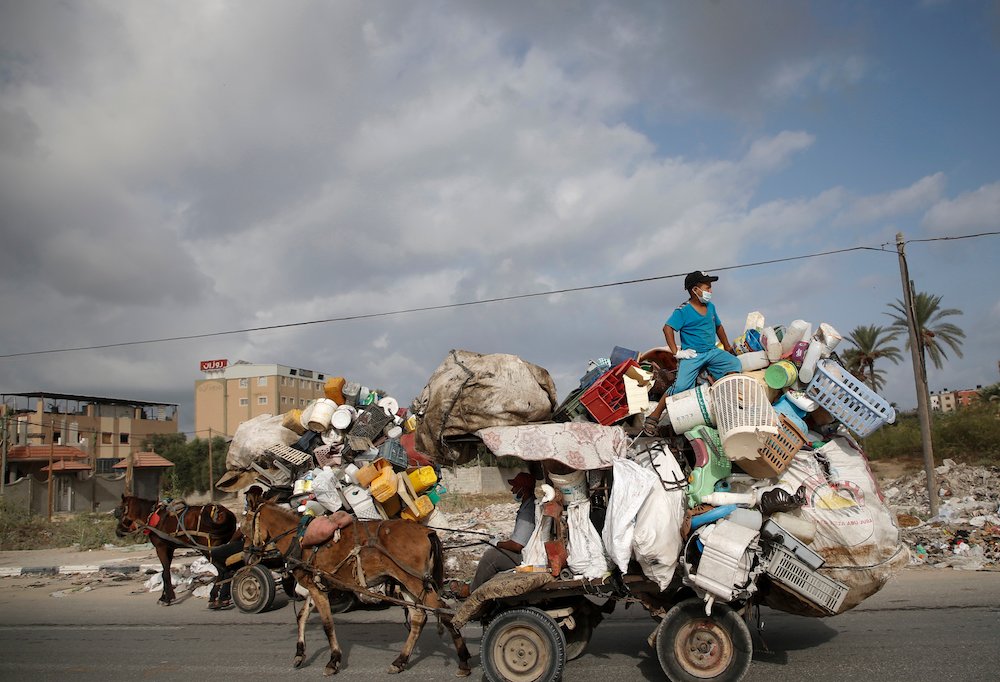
(949, 401)
(147, 472)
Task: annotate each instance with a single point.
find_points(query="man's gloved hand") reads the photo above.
(651, 425)
(686, 354)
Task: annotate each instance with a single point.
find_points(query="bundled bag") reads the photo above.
(657, 541)
(253, 437)
(856, 533)
(470, 391)
(632, 486)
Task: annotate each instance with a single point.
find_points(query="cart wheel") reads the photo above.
(253, 589)
(523, 645)
(692, 646)
(288, 585)
(342, 601)
(578, 638)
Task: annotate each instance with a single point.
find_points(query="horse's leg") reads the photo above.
(300, 645)
(434, 601)
(322, 604)
(165, 553)
(411, 588)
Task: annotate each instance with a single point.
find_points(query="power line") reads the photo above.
(962, 236)
(463, 304)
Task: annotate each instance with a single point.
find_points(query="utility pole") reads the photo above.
(52, 447)
(211, 476)
(3, 453)
(919, 376)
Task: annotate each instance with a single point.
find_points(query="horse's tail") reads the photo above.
(437, 560)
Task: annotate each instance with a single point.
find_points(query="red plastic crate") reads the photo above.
(605, 400)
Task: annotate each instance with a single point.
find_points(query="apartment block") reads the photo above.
(230, 394)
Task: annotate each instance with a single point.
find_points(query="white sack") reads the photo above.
(253, 437)
(657, 540)
(533, 553)
(632, 485)
(856, 532)
(324, 488)
(586, 552)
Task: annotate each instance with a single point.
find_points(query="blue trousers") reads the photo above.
(718, 362)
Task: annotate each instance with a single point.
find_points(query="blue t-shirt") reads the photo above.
(697, 331)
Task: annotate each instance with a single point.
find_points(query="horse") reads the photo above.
(367, 554)
(176, 524)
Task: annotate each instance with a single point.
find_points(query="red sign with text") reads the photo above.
(210, 365)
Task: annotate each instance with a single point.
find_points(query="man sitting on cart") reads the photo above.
(504, 555)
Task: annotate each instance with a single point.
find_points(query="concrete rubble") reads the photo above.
(965, 534)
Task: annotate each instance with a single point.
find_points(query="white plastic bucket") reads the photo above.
(690, 409)
(319, 416)
(573, 486)
(343, 416)
(753, 361)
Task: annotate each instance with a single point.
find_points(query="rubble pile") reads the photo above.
(965, 534)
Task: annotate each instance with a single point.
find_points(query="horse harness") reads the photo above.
(179, 509)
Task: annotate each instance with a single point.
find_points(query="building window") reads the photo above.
(244, 402)
(303, 383)
(262, 381)
(320, 377)
(244, 383)
(293, 372)
(105, 438)
(302, 402)
(262, 400)
(105, 465)
(56, 436)
(123, 438)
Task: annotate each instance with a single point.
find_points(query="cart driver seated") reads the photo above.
(504, 555)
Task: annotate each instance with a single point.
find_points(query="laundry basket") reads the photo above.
(776, 452)
(743, 415)
(851, 402)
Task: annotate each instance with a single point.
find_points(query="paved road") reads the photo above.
(927, 624)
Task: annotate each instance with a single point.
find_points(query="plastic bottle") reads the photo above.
(812, 356)
(720, 499)
(771, 344)
(802, 528)
(749, 518)
(795, 332)
(830, 338)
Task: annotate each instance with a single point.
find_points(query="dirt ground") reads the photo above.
(888, 469)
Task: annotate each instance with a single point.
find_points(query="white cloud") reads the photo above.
(976, 210)
(917, 197)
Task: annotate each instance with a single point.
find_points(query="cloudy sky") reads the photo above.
(171, 169)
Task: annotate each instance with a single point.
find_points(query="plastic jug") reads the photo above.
(795, 333)
(812, 356)
(771, 344)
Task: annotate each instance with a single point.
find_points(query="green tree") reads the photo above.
(190, 459)
(932, 329)
(871, 343)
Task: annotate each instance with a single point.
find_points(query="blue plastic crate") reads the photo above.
(848, 400)
(395, 453)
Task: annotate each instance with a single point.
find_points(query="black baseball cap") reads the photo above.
(698, 277)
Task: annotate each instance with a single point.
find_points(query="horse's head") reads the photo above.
(129, 515)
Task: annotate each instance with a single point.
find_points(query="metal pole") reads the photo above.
(3, 466)
(919, 378)
(211, 475)
(52, 447)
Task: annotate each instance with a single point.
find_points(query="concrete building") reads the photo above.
(232, 393)
(106, 430)
(949, 401)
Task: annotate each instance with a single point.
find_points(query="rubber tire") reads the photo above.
(533, 628)
(253, 589)
(686, 625)
(578, 638)
(288, 585)
(342, 601)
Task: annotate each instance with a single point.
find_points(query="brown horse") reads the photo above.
(368, 553)
(175, 524)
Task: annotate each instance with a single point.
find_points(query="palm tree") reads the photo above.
(872, 342)
(933, 331)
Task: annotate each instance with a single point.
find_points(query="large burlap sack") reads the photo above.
(470, 391)
(253, 437)
(856, 533)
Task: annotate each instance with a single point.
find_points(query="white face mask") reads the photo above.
(704, 296)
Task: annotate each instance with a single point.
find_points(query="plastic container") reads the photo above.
(812, 356)
(393, 452)
(600, 367)
(350, 391)
(422, 478)
(422, 508)
(690, 408)
(798, 353)
(369, 472)
(803, 528)
(772, 344)
(830, 338)
(799, 399)
(436, 493)
(410, 423)
(620, 355)
(370, 421)
(605, 400)
(319, 417)
(292, 420)
(776, 453)
(571, 409)
(743, 414)
(342, 417)
(793, 334)
(334, 389)
(748, 342)
(748, 518)
(754, 360)
(361, 503)
(350, 473)
(786, 407)
(573, 486)
(384, 485)
(848, 400)
(786, 570)
(781, 374)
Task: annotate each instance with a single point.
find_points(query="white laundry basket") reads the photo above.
(743, 415)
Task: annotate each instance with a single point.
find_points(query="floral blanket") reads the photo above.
(580, 445)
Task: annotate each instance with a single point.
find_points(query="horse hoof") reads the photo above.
(393, 669)
(329, 671)
(297, 663)
(463, 672)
